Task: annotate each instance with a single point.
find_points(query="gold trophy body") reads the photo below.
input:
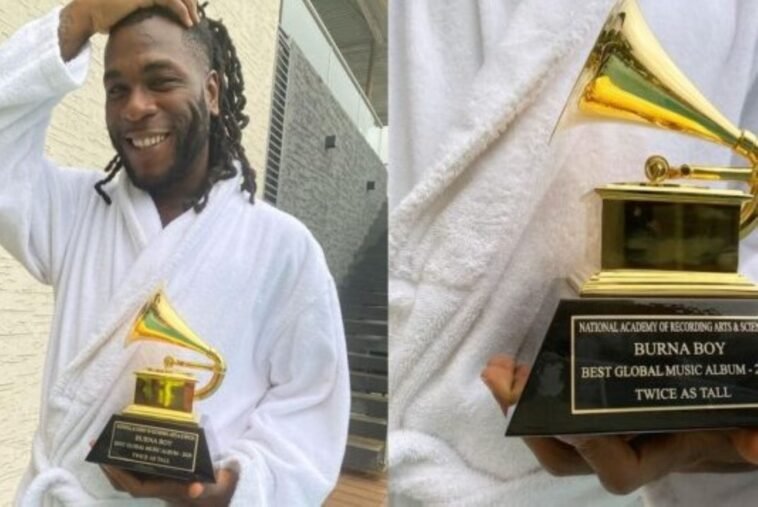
(159, 434)
(662, 334)
(628, 77)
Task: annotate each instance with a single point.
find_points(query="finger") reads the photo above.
(746, 444)
(179, 8)
(712, 451)
(503, 361)
(193, 11)
(519, 380)
(165, 489)
(222, 491)
(113, 483)
(691, 451)
(505, 379)
(196, 490)
(127, 480)
(624, 465)
(557, 458)
(498, 375)
(114, 477)
(615, 462)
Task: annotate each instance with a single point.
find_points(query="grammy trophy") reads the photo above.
(658, 332)
(158, 435)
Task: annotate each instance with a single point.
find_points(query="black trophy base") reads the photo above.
(154, 449)
(632, 365)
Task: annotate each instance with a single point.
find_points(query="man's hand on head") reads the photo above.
(176, 493)
(81, 19)
(106, 13)
(624, 463)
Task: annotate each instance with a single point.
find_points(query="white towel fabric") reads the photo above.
(250, 280)
(485, 215)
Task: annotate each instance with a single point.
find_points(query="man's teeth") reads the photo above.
(147, 142)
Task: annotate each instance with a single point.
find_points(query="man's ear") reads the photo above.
(212, 89)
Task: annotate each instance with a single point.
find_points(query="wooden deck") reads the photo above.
(357, 489)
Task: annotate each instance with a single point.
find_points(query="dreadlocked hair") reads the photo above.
(226, 151)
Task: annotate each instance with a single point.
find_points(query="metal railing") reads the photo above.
(276, 129)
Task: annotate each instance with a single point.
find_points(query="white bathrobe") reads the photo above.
(248, 279)
(485, 214)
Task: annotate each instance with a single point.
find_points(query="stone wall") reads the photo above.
(327, 188)
(78, 137)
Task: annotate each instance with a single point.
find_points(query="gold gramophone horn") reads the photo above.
(158, 435)
(157, 321)
(629, 77)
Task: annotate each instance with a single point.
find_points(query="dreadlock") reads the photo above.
(212, 38)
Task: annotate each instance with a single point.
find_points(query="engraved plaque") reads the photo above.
(153, 445)
(659, 363)
(628, 365)
(154, 448)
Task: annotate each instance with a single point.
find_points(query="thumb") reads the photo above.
(498, 375)
(746, 443)
(226, 482)
(196, 490)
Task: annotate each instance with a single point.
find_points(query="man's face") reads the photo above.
(159, 97)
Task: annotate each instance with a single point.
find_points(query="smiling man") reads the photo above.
(162, 141)
(248, 279)
(161, 91)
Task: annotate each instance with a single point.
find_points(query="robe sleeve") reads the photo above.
(36, 197)
(292, 450)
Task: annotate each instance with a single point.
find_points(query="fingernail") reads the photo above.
(195, 490)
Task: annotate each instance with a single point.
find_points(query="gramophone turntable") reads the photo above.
(159, 434)
(660, 333)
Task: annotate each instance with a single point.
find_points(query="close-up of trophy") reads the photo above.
(659, 333)
(158, 435)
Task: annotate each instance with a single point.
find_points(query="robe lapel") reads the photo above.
(83, 388)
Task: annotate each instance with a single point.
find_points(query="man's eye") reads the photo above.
(164, 83)
(116, 91)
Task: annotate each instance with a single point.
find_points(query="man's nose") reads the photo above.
(141, 104)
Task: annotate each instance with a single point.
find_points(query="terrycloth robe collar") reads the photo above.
(83, 395)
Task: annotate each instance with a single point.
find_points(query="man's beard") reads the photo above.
(189, 140)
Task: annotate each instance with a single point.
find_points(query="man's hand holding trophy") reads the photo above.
(158, 435)
(656, 335)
